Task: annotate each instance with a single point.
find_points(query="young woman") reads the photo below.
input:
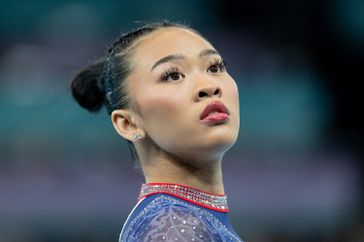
(169, 95)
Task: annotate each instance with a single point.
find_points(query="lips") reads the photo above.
(215, 108)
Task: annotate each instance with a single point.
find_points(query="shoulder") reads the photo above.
(169, 219)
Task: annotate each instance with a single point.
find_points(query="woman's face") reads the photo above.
(176, 75)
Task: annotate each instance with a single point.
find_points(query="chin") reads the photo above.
(220, 142)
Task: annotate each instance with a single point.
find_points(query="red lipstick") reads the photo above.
(215, 112)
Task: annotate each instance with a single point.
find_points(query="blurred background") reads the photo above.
(296, 173)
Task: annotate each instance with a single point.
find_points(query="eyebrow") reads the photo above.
(173, 57)
(208, 52)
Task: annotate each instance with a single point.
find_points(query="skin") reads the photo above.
(177, 147)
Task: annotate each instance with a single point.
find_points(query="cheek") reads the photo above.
(232, 96)
(235, 92)
(232, 92)
(159, 109)
(166, 120)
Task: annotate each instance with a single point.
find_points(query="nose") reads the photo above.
(208, 92)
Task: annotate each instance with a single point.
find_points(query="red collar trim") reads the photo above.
(216, 202)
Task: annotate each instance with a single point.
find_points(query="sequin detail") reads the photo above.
(169, 219)
(190, 194)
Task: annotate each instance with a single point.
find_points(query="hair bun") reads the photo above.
(87, 87)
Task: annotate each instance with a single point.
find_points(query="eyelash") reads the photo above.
(220, 63)
(169, 72)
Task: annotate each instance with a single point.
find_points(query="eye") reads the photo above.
(216, 66)
(172, 74)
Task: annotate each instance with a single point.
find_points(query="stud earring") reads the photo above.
(138, 136)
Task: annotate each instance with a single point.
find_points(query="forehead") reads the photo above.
(167, 41)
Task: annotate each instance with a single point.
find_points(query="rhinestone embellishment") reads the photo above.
(212, 201)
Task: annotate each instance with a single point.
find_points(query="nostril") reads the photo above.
(202, 94)
(217, 91)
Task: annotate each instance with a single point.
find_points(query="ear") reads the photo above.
(125, 124)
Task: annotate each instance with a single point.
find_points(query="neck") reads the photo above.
(207, 177)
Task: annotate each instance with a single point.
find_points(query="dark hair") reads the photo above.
(103, 83)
